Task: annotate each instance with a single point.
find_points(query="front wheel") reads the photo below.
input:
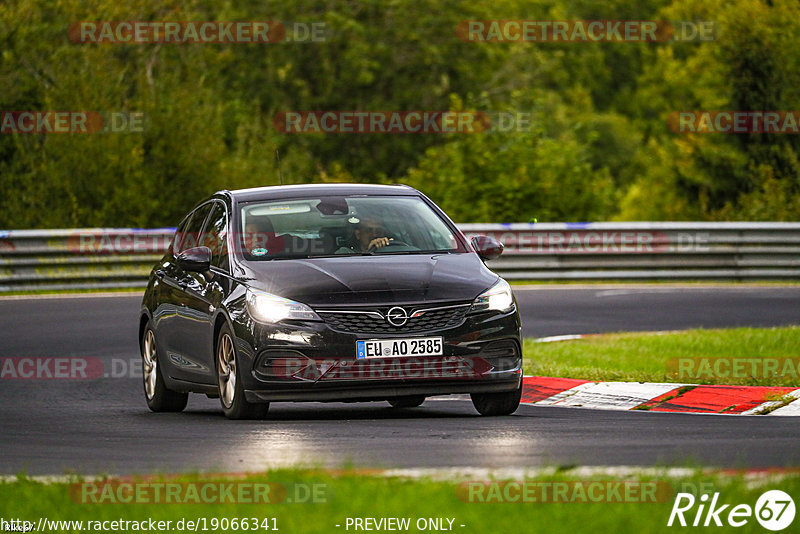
(231, 392)
(504, 403)
(159, 397)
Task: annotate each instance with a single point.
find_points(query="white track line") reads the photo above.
(551, 339)
(792, 408)
(609, 395)
(764, 406)
(560, 397)
(755, 477)
(437, 473)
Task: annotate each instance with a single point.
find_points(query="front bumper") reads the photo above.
(382, 391)
(310, 361)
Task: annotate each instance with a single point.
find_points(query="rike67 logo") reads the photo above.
(774, 510)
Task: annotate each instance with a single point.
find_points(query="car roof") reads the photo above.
(301, 190)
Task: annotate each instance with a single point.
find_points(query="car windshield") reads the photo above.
(342, 226)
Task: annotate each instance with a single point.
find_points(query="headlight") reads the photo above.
(267, 308)
(498, 298)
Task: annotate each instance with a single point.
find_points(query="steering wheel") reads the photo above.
(392, 243)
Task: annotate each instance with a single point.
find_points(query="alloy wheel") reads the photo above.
(226, 366)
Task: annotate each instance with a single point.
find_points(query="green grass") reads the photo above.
(350, 494)
(645, 357)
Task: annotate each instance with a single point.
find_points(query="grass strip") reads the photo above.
(754, 357)
(562, 502)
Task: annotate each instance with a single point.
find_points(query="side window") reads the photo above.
(191, 234)
(215, 236)
(175, 247)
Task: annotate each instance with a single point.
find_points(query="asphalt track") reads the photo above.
(103, 426)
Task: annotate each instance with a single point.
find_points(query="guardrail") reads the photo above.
(87, 258)
(122, 257)
(645, 250)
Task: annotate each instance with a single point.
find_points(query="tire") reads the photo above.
(229, 373)
(504, 403)
(410, 401)
(158, 396)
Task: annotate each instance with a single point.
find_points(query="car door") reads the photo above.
(187, 337)
(169, 299)
(203, 294)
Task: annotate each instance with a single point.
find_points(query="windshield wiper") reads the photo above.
(276, 258)
(401, 252)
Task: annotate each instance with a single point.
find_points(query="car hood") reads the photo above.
(373, 280)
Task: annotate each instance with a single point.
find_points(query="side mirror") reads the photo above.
(488, 248)
(196, 259)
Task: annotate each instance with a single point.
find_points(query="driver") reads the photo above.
(369, 234)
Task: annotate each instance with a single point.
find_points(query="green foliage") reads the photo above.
(652, 357)
(599, 147)
(620, 500)
(752, 65)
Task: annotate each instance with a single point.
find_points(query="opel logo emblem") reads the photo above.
(397, 316)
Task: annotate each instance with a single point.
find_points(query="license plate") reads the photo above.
(389, 348)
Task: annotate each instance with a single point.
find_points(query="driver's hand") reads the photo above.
(378, 242)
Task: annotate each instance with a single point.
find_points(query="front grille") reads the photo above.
(373, 321)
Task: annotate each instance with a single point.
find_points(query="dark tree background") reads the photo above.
(598, 149)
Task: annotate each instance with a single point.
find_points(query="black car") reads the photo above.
(333, 292)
